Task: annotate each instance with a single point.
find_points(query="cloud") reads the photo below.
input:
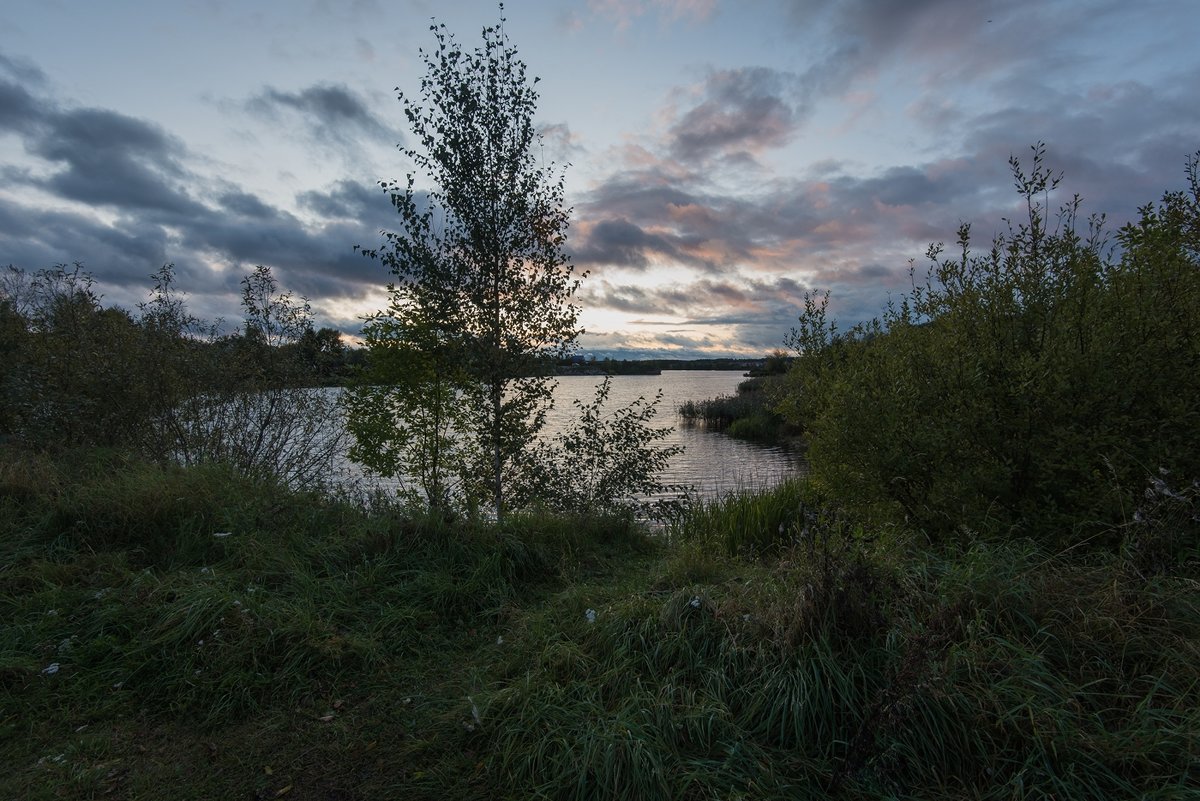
(838, 225)
(164, 211)
(19, 110)
(561, 142)
(23, 71)
(953, 40)
(731, 315)
(125, 253)
(741, 112)
(791, 224)
(96, 156)
(349, 200)
(624, 12)
(731, 300)
(111, 159)
(620, 242)
(337, 115)
(568, 21)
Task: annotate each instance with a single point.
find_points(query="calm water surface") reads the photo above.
(711, 462)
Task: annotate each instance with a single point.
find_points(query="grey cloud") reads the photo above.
(760, 311)
(121, 255)
(620, 242)
(167, 213)
(737, 300)
(317, 258)
(104, 157)
(560, 141)
(743, 111)
(674, 221)
(1119, 146)
(22, 71)
(791, 221)
(964, 40)
(247, 205)
(338, 115)
(112, 159)
(367, 203)
(19, 110)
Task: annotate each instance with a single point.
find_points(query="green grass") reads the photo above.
(765, 648)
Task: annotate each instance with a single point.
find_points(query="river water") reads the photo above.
(712, 463)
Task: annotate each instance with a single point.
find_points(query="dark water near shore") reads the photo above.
(711, 462)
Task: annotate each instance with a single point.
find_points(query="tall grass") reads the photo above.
(846, 668)
(749, 414)
(203, 592)
(772, 650)
(749, 523)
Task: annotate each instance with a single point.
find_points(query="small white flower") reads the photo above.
(50, 669)
(746, 618)
(500, 640)
(590, 615)
(695, 602)
(205, 570)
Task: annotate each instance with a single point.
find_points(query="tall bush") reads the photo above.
(1027, 388)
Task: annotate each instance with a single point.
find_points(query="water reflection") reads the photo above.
(712, 462)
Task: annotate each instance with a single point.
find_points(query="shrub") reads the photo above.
(1012, 390)
(161, 382)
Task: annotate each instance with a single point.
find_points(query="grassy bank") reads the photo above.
(187, 634)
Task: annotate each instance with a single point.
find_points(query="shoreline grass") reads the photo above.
(748, 415)
(215, 637)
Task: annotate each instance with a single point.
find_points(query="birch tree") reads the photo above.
(478, 264)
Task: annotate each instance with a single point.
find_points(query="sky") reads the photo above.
(725, 157)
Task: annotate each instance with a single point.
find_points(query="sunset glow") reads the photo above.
(725, 157)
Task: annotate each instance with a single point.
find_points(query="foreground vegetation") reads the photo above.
(1023, 388)
(194, 633)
